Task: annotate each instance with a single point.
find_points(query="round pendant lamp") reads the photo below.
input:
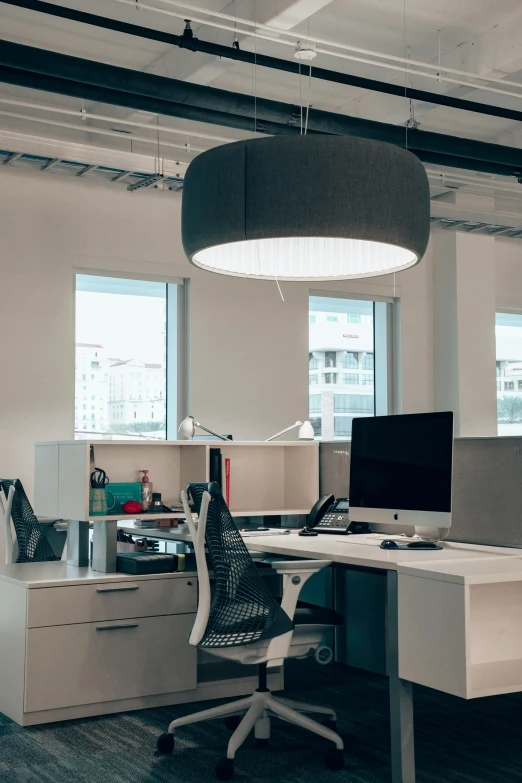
(313, 207)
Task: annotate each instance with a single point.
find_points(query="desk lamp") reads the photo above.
(187, 429)
(306, 431)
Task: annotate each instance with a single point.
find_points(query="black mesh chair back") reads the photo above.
(33, 547)
(242, 610)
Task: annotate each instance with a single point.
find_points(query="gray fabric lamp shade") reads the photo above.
(305, 208)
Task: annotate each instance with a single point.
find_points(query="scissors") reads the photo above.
(99, 479)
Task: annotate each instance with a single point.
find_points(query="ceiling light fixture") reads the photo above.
(315, 207)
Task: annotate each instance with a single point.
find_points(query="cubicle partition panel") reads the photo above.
(487, 491)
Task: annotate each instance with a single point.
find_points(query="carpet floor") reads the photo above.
(456, 741)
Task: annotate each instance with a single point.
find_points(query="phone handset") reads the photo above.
(320, 508)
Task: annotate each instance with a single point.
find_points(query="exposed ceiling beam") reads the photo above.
(282, 14)
(497, 53)
(197, 46)
(54, 72)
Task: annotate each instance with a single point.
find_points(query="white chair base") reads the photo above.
(257, 710)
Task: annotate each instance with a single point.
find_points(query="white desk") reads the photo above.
(419, 617)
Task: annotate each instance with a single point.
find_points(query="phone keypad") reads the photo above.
(340, 521)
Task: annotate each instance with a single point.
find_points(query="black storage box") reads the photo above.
(146, 563)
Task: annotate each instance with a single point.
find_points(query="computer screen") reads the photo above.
(402, 463)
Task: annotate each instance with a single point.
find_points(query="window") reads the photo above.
(342, 403)
(316, 424)
(343, 426)
(330, 358)
(315, 403)
(508, 333)
(350, 361)
(359, 343)
(122, 327)
(313, 362)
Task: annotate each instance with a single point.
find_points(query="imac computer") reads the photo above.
(401, 471)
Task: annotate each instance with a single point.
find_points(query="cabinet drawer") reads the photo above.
(88, 663)
(110, 601)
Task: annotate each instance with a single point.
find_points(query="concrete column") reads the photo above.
(464, 330)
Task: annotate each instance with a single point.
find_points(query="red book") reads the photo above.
(227, 481)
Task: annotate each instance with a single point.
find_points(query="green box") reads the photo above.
(123, 491)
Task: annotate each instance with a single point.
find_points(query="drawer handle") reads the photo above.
(117, 589)
(116, 627)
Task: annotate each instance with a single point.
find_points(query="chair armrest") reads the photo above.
(298, 566)
(295, 573)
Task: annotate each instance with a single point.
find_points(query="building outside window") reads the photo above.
(313, 362)
(343, 426)
(315, 403)
(121, 345)
(342, 403)
(350, 361)
(508, 333)
(344, 334)
(330, 359)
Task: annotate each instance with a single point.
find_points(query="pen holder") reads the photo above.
(98, 506)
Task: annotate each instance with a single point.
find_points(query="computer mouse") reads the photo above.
(389, 545)
(421, 545)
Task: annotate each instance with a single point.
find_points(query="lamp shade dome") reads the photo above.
(313, 207)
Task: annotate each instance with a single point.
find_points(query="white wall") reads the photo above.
(248, 349)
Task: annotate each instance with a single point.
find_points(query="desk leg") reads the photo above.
(104, 546)
(401, 697)
(77, 543)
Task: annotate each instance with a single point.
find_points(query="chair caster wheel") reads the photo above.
(232, 722)
(225, 769)
(165, 743)
(261, 742)
(330, 724)
(334, 759)
(323, 654)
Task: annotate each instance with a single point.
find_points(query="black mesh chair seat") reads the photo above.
(310, 614)
(33, 546)
(243, 610)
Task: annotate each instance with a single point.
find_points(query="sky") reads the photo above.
(128, 327)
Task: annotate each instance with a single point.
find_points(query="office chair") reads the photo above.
(244, 622)
(31, 545)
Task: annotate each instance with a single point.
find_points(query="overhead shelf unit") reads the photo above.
(276, 478)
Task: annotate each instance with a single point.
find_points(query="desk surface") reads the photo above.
(340, 550)
(57, 574)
